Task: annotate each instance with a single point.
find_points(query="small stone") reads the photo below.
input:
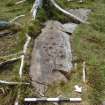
(70, 27)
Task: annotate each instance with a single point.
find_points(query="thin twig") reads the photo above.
(84, 72)
(9, 60)
(16, 18)
(12, 83)
(23, 56)
(19, 2)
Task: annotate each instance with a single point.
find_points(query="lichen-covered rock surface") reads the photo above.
(80, 13)
(51, 56)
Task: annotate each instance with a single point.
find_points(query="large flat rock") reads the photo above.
(80, 13)
(51, 56)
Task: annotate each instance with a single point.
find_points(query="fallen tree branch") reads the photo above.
(36, 5)
(21, 66)
(84, 72)
(16, 18)
(13, 83)
(19, 2)
(22, 63)
(23, 56)
(9, 61)
(80, 1)
(26, 44)
(66, 12)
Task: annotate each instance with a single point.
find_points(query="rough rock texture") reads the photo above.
(70, 27)
(103, 103)
(51, 56)
(81, 13)
(67, 27)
